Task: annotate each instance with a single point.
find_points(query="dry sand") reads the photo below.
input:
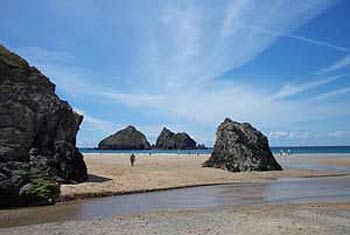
(111, 174)
(309, 218)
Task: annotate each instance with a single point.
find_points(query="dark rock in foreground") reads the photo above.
(241, 147)
(37, 132)
(25, 185)
(170, 140)
(127, 139)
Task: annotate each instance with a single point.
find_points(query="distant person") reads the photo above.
(289, 152)
(132, 159)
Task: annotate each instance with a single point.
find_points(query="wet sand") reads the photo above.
(340, 161)
(286, 190)
(305, 218)
(111, 174)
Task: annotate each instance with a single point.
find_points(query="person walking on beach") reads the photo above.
(132, 159)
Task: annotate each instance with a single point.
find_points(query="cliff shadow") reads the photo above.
(97, 179)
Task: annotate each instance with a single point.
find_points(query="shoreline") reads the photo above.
(119, 193)
(88, 195)
(110, 175)
(283, 192)
(87, 154)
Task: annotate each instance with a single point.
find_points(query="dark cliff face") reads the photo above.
(127, 139)
(36, 127)
(169, 140)
(241, 147)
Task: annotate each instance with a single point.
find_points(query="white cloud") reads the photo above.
(200, 44)
(291, 89)
(296, 37)
(332, 94)
(92, 123)
(232, 16)
(279, 134)
(340, 64)
(319, 43)
(290, 135)
(37, 55)
(339, 134)
(309, 138)
(134, 99)
(94, 129)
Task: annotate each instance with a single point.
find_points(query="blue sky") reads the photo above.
(283, 66)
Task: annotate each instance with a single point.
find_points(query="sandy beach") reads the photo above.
(112, 174)
(307, 218)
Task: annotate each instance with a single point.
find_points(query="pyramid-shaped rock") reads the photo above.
(241, 147)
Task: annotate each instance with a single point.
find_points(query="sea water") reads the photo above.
(275, 150)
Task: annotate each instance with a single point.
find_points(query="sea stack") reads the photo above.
(241, 147)
(38, 135)
(170, 140)
(127, 139)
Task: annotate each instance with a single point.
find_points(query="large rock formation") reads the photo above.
(37, 132)
(127, 139)
(241, 147)
(170, 140)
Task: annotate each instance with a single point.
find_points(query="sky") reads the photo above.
(283, 66)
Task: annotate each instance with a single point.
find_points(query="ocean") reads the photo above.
(275, 150)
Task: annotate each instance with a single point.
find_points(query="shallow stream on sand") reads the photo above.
(284, 190)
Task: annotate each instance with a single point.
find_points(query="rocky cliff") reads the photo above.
(170, 140)
(37, 131)
(241, 147)
(127, 139)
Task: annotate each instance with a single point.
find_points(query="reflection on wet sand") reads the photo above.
(281, 190)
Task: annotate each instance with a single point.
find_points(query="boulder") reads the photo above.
(127, 139)
(170, 140)
(37, 129)
(241, 147)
